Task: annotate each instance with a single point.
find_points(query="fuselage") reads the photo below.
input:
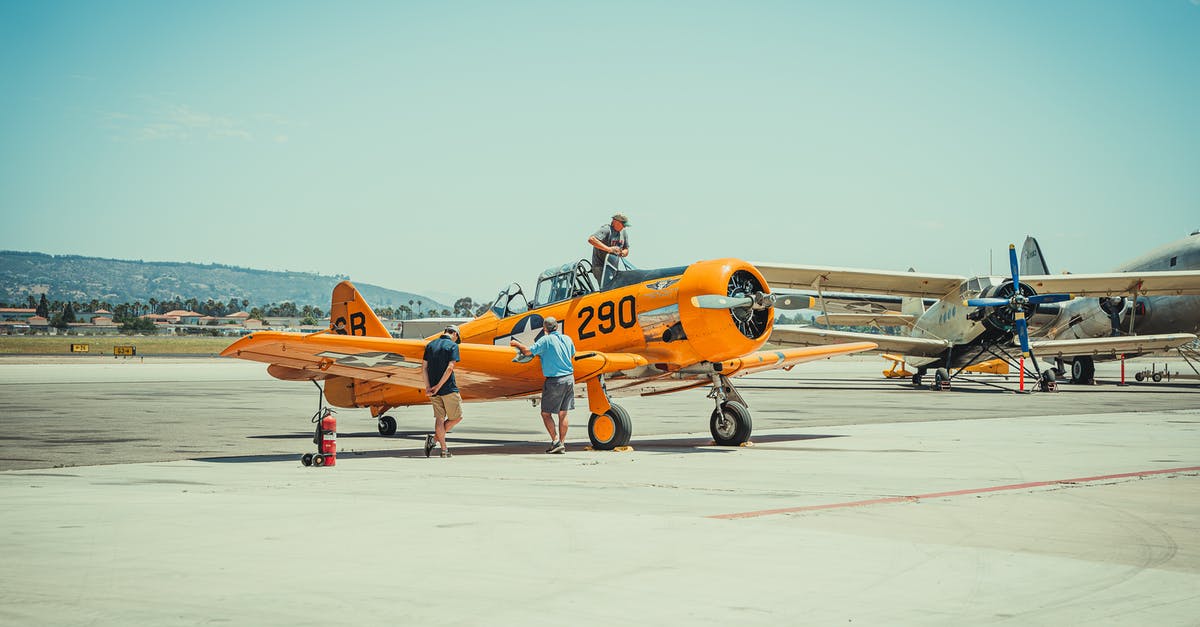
(1091, 317)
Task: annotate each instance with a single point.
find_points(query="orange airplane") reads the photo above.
(645, 332)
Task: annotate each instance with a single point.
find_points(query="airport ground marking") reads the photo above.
(968, 491)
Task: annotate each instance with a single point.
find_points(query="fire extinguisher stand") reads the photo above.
(326, 434)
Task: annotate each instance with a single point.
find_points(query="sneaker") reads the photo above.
(446, 452)
(553, 445)
(559, 447)
(429, 444)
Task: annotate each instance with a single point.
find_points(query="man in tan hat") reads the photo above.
(610, 239)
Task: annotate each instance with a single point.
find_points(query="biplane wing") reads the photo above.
(1111, 346)
(798, 277)
(1167, 283)
(794, 335)
(484, 372)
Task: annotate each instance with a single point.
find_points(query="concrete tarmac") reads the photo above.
(170, 492)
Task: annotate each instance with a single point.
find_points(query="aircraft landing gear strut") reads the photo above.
(730, 423)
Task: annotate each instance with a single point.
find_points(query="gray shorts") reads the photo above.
(558, 394)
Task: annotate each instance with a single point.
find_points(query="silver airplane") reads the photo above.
(1122, 315)
(975, 319)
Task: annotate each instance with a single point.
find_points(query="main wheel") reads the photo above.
(387, 426)
(731, 425)
(1083, 370)
(611, 429)
(1046, 382)
(940, 376)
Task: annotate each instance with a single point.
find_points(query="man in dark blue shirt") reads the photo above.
(437, 368)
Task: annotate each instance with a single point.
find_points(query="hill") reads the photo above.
(82, 279)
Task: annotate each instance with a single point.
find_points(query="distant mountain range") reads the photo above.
(82, 279)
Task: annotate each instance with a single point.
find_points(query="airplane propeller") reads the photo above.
(758, 301)
(1018, 302)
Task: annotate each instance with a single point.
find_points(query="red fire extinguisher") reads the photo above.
(325, 439)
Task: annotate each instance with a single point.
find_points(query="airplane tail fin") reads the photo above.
(1032, 261)
(349, 313)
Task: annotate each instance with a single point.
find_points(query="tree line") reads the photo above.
(61, 313)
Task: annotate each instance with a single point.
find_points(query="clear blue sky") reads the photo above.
(448, 148)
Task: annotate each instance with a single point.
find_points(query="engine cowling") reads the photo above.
(721, 334)
(1002, 318)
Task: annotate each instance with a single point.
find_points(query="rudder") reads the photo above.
(349, 313)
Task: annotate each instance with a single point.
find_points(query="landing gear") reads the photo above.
(730, 422)
(1083, 370)
(941, 379)
(1047, 382)
(611, 429)
(387, 426)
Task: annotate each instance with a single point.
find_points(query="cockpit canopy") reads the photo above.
(559, 283)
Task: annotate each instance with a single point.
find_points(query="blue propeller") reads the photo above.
(1018, 302)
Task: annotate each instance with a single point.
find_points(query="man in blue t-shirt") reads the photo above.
(437, 370)
(558, 393)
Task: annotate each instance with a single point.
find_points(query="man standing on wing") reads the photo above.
(558, 393)
(610, 239)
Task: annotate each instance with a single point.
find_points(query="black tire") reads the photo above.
(611, 429)
(731, 424)
(1141, 376)
(1046, 382)
(387, 426)
(1156, 377)
(318, 460)
(940, 376)
(916, 380)
(1083, 370)
(306, 459)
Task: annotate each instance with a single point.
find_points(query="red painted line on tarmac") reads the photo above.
(935, 495)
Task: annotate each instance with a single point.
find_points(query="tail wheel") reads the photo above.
(611, 429)
(387, 426)
(731, 425)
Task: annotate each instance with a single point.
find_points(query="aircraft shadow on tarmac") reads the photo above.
(511, 447)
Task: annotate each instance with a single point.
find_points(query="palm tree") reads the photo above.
(410, 308)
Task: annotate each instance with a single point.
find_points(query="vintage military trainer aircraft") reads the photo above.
(645, 332)
(976, 318)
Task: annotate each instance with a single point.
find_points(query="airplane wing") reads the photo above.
(884, 319)
(795, 335)
(798, 277)
(485, 371)
(1111, 346)
(788, 357)
(1170, 283)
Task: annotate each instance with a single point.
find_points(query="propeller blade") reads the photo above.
(794, 302)
(716, 301)
(1049, 298)
(1016, 268)
(1022, 331)
(985, 302)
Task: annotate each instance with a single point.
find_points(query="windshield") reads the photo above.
(511, 300)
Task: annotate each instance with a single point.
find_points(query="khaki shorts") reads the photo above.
(449, 405)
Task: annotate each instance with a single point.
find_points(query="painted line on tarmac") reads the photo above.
(936, 495)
